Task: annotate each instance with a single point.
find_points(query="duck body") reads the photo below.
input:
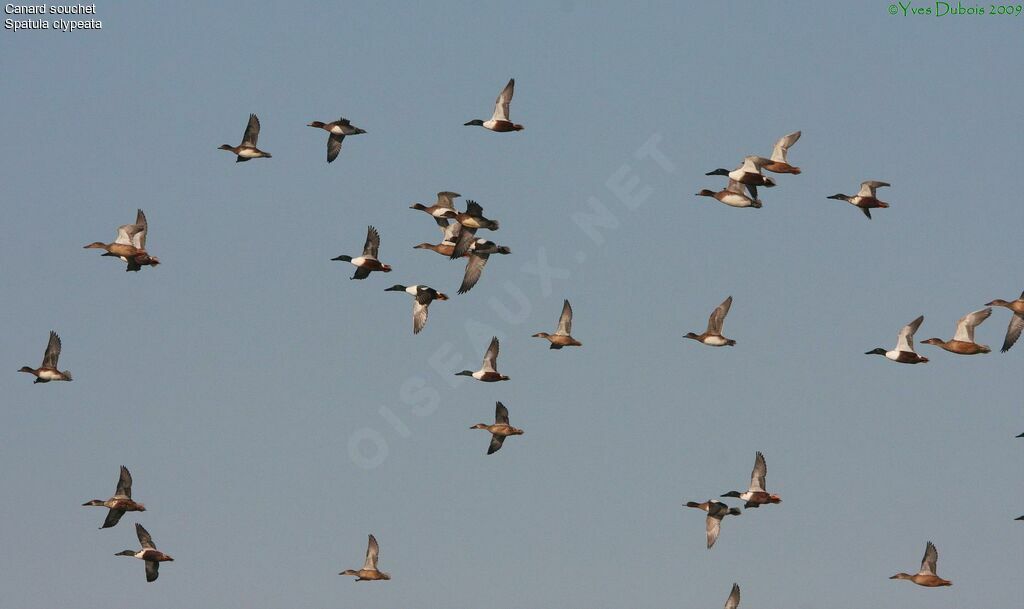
(904, 352)
(731, 196)
(1013, 331)
(927, 575)
(120, 502)
(47, 371)
(499, 121)
(712, 336)
(423, 295)
(716, 511)
(958, 346)
(369, 570)
(337, 131)
(368, 262)
(247, 149)
(130, 245)
(500, 430)
(866, 198)
(778, 162)
(488, 372)
(148, 553)
(563, 335)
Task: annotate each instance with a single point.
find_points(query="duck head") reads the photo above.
(541, 335)
(316, 124)
(704, 192)
(692, 335)
(735, 494)
(938, 342)
(839, 197)
(395, 288)
(125, 553)
(96, 245)
(464, 373)
(902, 576)
(226, 147)
(877, 351)
(27, 369)
(479, 426)
(343, 258)
(475, 122)
(718, 172)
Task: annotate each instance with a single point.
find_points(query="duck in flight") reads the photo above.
(716, 512)
(778, 163)
(48, 370)
(488, 372)
(336, 132)
(499, 120)
(926, 576)
(130, 244)
(904, 352)
(563, 335)
(713, 335)
(500, 430)
(756, 495)
(748, 173)
(368, 262)
(470, 220)
(422, 297)
(734, 598)
(120, 503)
(443, 209)
(962, 342)
(247, 149)
(148, 553)
(732, 195)
(865, 199)
(1016, 319)
(369, 572)
(479, 252)
(450, 236)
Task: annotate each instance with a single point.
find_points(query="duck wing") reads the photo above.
(152, 570)
(124, 483)
(446, 199)
(252, 131)
(757, 476)
(334, 141)
(496, 442)
(504, 100)
(491, 357)
(734, 597)
(712, 525)
(141, 229)
(905, 340)
(1013, 331)
(372, 549)
(372, 244)
(419, 315)
(565, 320)
(867, 189)
(966, 324)
(474, 267)
(52, 353)
(144, 537)
(782, 145)
(467, 236)
(930, 560)
(717, 319)
(500, 413)
(113, 517)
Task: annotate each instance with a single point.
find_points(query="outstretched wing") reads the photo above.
(1013, 331)
(905, 340)
(372, 242)
(782, 145)
(474, 267)
(758, 474)
(152, 570)
(252, 131)
(712, 525)
(717, 319)
(930, 560)
(867, 189)
(734, 597)
(502, 103)
(141, 229)
(565, 320)
(500, 413)
(52, 353)
(419, 315)
(372, 549)
(334, 146)
(446, 199)
(124, 483)
(966, 324)
(491, 357)
(496, 442)
(144, 538)
(113, 517)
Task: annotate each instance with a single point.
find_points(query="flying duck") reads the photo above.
(368, 261)
(732, 195)
(247, 149)
(926, 576)
(450, 232)
(500, 121)
(963, 341)
(443, 209)
(500, 430)
(756, 495)
(748, 173)
(865, 199)
(734, 597)
(148, 553)
(478, 253)
(470, 220)
(423, 296)
(904, 352)
(778, 162)
(489, 371)
(130, 244)
(713, 335)
(120, 503)
(561, 337)
(337, 130)
(48, 370)
(1016, 320)
(369, 571)
(716, 512)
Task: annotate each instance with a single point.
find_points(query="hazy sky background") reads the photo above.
(233, 378)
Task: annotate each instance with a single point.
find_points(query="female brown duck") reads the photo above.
(926, 576)
(48, 370)
(120, 503)
(369, 572)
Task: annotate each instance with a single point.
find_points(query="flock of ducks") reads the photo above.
(460, 240)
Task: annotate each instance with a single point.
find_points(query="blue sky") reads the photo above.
(274, 413)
